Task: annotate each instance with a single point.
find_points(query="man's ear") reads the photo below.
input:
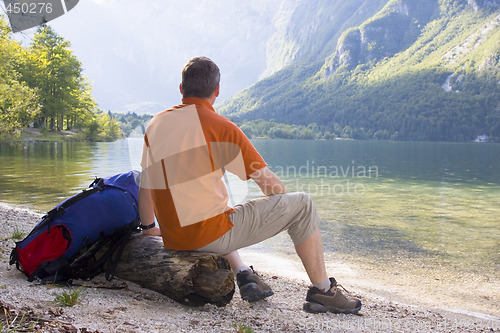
(180, 87)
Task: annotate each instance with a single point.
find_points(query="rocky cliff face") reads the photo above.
(308, 31)
(396, 27)
(311, 30)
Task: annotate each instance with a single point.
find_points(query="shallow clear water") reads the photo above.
(386, 199)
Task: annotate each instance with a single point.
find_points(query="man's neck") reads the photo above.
(210, 99)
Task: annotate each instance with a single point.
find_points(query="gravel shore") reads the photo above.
(135, 309)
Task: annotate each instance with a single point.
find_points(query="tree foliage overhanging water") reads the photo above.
(43, 86)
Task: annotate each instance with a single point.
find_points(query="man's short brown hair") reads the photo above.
(200, 77)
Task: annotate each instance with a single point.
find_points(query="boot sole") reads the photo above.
(318, 308)
(251, 292)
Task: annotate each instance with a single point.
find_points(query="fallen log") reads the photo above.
(191, 278)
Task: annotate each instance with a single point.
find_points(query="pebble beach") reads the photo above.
(28, 306)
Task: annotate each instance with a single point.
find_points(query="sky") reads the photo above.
(133, 51)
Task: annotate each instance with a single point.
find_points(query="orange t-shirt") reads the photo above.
(186, 151)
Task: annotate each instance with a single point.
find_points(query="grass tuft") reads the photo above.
(67, 298)
(17, 234)
(242, 328)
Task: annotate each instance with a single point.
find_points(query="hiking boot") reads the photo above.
(332, 300)
(252, 288)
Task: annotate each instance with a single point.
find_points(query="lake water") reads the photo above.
(410, 215)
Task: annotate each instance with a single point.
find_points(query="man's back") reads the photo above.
(187, 150)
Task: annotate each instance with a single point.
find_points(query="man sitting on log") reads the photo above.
(187, 150)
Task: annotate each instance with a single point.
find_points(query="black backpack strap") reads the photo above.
(104, 254)
(116, 254)
(96, 186)
(14, 256)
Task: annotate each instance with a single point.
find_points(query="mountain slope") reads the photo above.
(416, 70)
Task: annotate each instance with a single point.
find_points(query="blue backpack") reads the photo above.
(84, 235)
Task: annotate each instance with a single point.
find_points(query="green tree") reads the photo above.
(56, 72)
(18, 102)
(44, 85)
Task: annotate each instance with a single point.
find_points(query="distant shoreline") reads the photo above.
(28, 135)
(31, 135)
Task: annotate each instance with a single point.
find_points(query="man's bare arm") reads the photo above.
(146, 212)
(268, 182)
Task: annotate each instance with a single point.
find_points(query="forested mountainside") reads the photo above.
(398, 69)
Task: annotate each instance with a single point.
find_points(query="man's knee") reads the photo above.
(307, 218)
(306, 197)
(306, 202)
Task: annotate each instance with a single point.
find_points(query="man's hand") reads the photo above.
(268, 182)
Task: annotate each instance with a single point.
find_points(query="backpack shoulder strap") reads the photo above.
(103, 255)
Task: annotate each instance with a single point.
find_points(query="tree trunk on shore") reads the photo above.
(191, 278)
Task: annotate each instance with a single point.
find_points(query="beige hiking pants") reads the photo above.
(259, 219)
